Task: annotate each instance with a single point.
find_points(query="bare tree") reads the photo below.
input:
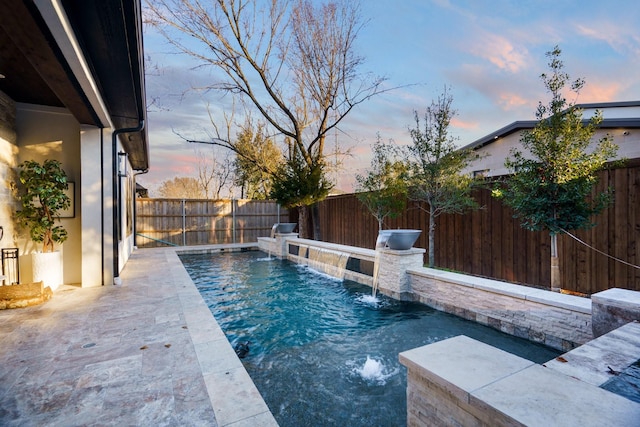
(289, 60)
(215, 172)
(181, 187)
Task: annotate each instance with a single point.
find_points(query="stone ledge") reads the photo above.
(363, 253)
(597, 361)
(24, 295)
(567, 302)
(500, 389)
(613, 308)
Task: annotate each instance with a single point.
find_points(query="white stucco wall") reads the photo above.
(93, 212)
(494, 154)
(8, 161)
(52, 133)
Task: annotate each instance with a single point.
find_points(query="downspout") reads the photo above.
(116, 195)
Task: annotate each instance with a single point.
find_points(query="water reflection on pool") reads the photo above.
(321, 351)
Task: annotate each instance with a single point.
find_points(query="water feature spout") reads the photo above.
(402, 240)
(329, 261)
(286, 227)
(381, 243)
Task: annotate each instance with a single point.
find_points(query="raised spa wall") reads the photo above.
(461, 381)
(557, 320)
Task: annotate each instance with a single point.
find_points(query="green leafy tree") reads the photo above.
(552, 179)
(382, 190)
(435, 166)
(256, 163)
(299, 184)
(43, 198)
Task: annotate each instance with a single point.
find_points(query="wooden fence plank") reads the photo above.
(489, 242)
(200, 222)
(492, 243)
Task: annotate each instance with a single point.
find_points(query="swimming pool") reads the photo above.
(322, 352)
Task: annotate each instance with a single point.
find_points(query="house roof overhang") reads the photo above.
(86, 56)
(517, 126)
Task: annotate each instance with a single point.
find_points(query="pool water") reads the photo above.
(322, 351)
(626, 383)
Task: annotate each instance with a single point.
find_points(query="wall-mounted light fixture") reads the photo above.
(122, 164)
(1, 232)
(625, 133)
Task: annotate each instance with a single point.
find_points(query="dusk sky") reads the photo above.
(489, 52)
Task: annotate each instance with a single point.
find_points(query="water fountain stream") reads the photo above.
(328, 261)
(381, 243)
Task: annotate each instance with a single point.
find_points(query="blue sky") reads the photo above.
(489, 52)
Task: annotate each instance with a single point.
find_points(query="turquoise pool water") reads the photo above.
(321, 351)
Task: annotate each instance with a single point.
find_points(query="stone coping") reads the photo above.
(555, 299)
(209, 249)
(234, 397)
(618, 297)
(363, 253)
(600, 359)
(503, 389)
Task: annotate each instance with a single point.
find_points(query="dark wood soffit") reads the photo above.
(24, 33)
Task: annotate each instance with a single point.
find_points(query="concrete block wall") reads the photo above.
(560, 321)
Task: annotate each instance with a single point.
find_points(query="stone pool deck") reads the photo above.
(146, 352)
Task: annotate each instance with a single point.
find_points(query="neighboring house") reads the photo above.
(621, 121)
(72, 89)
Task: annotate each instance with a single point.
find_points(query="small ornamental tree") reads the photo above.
(382, 190)
(551, 185)
(298, 184)
(435, 167)
(43, 199)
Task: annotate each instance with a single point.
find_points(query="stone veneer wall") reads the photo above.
(8, 162)
(464, 382)
(559, 321)
(393, 279)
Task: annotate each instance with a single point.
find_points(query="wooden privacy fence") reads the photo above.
(491, 243)
(162, 222)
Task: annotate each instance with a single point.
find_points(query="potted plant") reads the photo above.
(43, 198)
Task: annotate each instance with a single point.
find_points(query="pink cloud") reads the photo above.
(604, 92)
(500, 52)
(622, 38)
(461, 124)
(509, 101)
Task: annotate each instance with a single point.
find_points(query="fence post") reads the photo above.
(184, 225)
(233, 220)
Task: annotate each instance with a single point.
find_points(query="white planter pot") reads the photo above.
(47, 266)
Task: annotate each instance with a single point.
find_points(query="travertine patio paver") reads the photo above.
(124, 355)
